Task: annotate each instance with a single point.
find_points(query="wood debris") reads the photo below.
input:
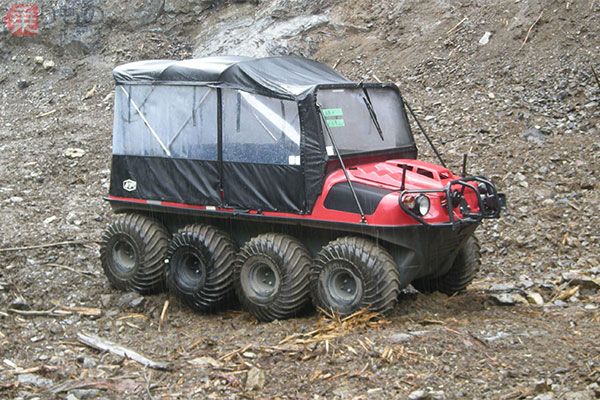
(106, 345)
(332, 326)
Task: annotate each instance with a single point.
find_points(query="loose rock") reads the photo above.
(255, 379)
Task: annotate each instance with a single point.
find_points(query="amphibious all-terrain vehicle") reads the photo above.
(284, 183)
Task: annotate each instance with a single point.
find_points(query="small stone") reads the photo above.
(205, 361)
(541, 386)
(50, 220)
(508, 299)
(580, 395)
(418, 395)
(498, 336)
(86, 393)
(485, 39)
(39, 59)
(249, 354)
(36, 339)
(22, 84)
(491, 95)
(535, 298)
(437, 395)
(131, 299)
(559, 303)
(48, 64)
(72, 152)
(255, 379)
(71, 396)
(401, 337)
(19, 303)
(534, 135)
(35, 380)
(105, 300)
(544, 396)
(88, 363)
(16, 199)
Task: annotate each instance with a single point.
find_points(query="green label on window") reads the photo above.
(336, 123)
(332, 112)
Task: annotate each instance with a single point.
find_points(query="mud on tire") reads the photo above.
(272, 277)
(461, 274)
(133, 251)
(352, 273)
(200, 270)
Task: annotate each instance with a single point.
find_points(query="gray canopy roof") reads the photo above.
(287, 76)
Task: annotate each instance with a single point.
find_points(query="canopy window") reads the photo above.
(166, 121)
(260, 129)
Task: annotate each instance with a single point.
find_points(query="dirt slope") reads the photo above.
(527, 114)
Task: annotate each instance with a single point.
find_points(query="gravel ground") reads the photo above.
(527, 114)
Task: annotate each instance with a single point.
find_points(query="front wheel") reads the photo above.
(352, 273)
(461, 274)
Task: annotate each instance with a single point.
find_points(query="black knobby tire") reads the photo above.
(200, 270)
(272, 277)
(461, 274)
(351, 273)
(133, 252)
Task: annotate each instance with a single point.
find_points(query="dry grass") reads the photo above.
(332, 326)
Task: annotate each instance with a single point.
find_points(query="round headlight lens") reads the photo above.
(423, 204)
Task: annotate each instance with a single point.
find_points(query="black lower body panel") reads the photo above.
(418, 250)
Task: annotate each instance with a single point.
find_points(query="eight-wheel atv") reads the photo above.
(282, 183)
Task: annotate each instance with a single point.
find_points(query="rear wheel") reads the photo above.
(271, 276)
(461, 274)
(133, 251)
(200, 270)
(353, 273)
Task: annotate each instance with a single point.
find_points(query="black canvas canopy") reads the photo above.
(240, 132)
(226, 131)
(289, 77)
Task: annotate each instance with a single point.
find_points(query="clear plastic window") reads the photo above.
(166, 121)
(348, 118)
(260, 129)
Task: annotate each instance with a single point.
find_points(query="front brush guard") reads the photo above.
(490, 202)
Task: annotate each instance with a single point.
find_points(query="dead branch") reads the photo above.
(530, 29)
(456, 26)
(163, 315)
(85, 311)
(43, 246)
(106, 345)
(34, 313)
(235, 352)
(84, 273)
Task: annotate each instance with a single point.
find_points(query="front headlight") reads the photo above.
(422, 205)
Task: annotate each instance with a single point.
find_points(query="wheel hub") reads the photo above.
(343, 286)
(260, 279)
(124, 255)
(190, 269)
